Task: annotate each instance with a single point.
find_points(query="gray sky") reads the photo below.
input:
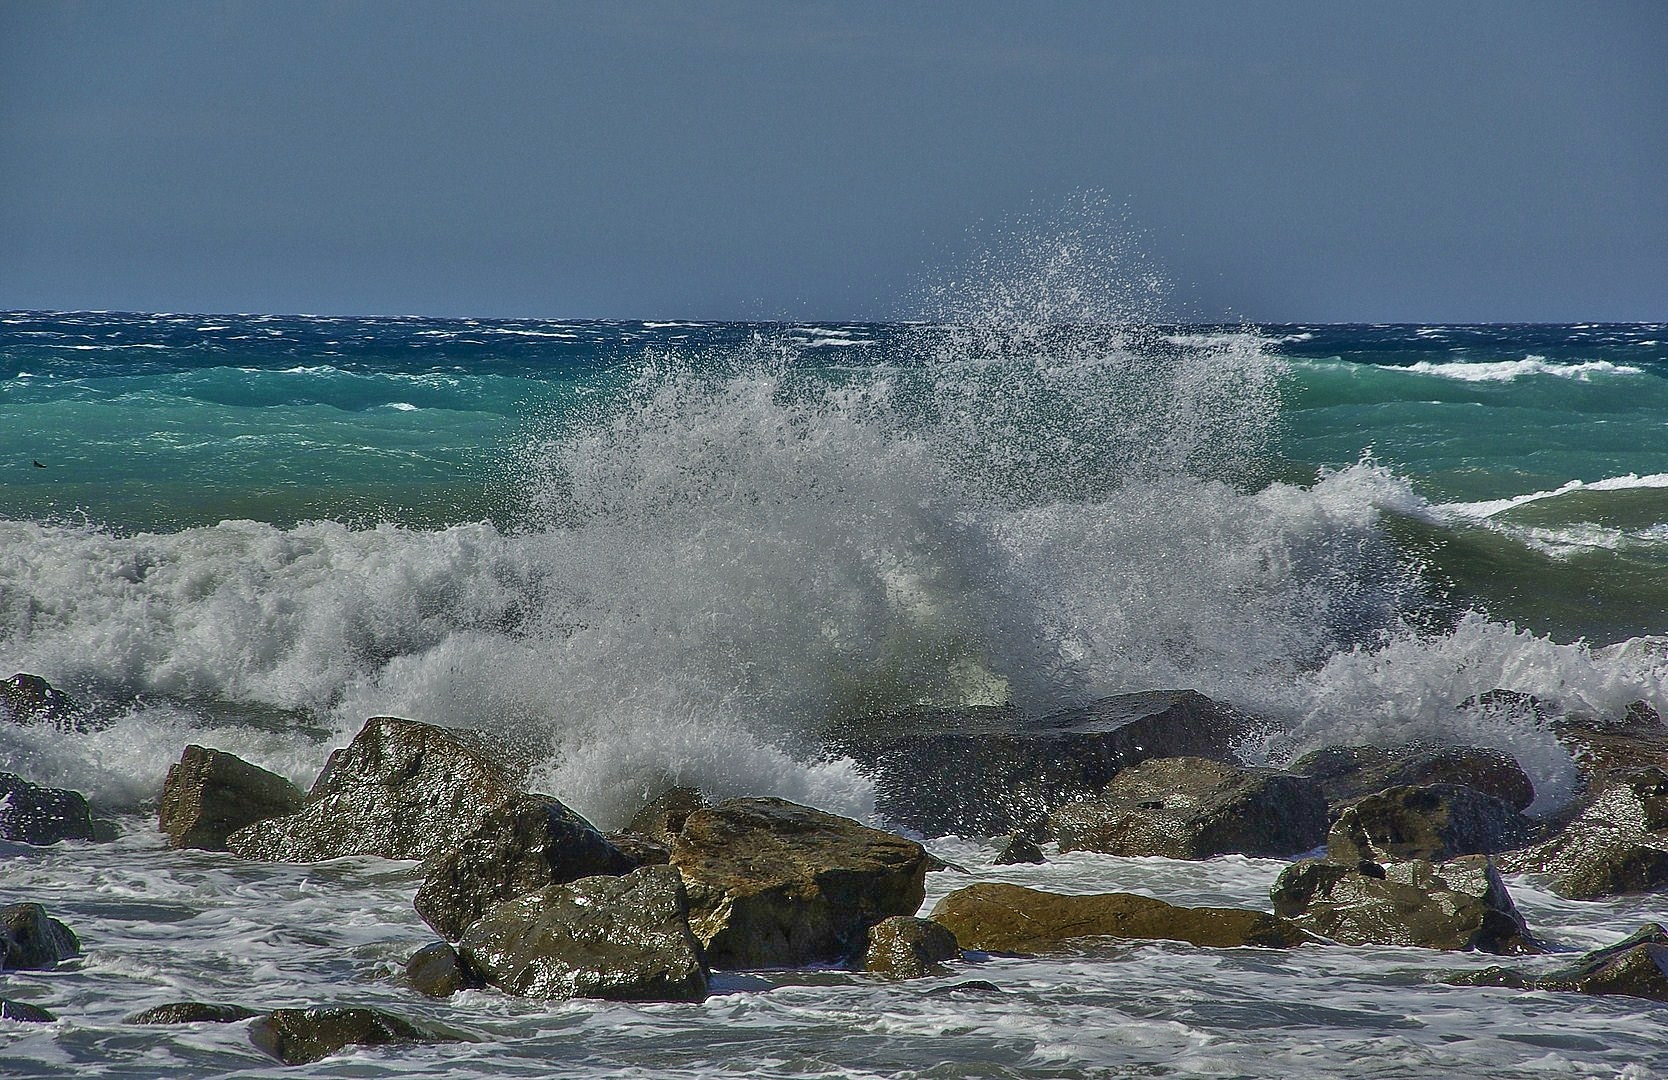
(1300, 161)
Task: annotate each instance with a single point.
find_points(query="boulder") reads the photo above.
(905, 947)
(1617, 845)
(1016, 850)
(525, 844)
(41, 815)
(437, 971)
(191, 1012)
(1461, 904)
(775, 884)
(297, 1036)
(211, 794)
(30, 939)
(986, 771)
(1002, 918)
(1635, 967)
(30, 699)
(663, 818)
(1193, 808)
(641, 851)
(401, 790)
(1349, 773)
(620, 938)
(1434, 822)
(24, 1013)
(1609, 751)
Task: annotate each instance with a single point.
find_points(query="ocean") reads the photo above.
(662, 553)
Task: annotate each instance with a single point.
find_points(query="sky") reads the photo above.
(1304, 161)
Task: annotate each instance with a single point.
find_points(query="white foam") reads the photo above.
(1512, 370)
(1487, 508)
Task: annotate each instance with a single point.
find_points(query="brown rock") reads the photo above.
(1617, 845)
(211, 794)
(1634, 967)
(905, 947)
(1435, 822)
(32, 940)
(298, 1036)
(1349, 773)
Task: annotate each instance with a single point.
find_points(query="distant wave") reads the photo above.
(1511, 370)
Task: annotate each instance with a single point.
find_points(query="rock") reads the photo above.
(437, 971)
(1015, 850)
(401, 790)
(211, 794)
(525, 844)
(1435, 822)
(30, 699)
(1461, 904)
(1193, 808)
(1606, 752)
(621, 938)
(1635, 967)
(24, 1013)
(1617, 845)
(663, 818)
(996, 917)
(1349, 773)
(904, 947)
(41, 815)
(297, 1036)
(32, 940)
(986, 771)
(641, 851)
(775, 884)
(191, 1012)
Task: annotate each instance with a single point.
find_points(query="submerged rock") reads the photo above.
(1193, 808)
(211, 794)
(1002, 918)
(1435, 822)
(30, 939)
(620, 938)
(1350, 773)
(775, 884)
(298, 1036)
(905, 947)
(42, 815)
(1635, 967)
(437, 971)
(1617, 845)
(987, 771)
(191, 1012)
(24, 1013)
(29, 699)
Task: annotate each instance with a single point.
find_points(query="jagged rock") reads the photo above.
(1193, 808)
(1349, 773)
(987, 771)
(905, 947)
(211, 794)
(438, 971)
(641, 851)
(775, 884)
(1461, 904)
(30, 939)
(401, 790)
(191, 1012)
(996, 917)
(1617, 845)
(297, 1036)
(30, 699)
(1606, 752)
(1435, 822)
(663, 818)
(1636, 967)
(621, 938)
(527, 843)
(41, 815)
(1015, 850)
(24, 1013)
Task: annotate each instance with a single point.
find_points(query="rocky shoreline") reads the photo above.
(528, 898)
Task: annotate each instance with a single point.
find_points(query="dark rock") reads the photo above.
(40, 815)
(1016, 850)
(297, 1036)
(211, 794)
(1435, 822)
(30, 939)
(996, 917)
(663, 818)
(641, 851)
(775, 884)
(621, 938)
(191, 1012)
(905, 947)
(401, 790)
(987, 771)
(24, 1013)
(437, 971)
(1617, 845)
(1634, 967)
(30, 699)
(525, 844)
(1349, 773)
(1461, 904)
(1606, 752)
(971, 986)
(1192, 808)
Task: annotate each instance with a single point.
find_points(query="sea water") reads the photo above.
(683, 553)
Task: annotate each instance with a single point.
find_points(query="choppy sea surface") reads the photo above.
(682, 553)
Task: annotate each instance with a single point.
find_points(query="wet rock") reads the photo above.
(191, 1012)
(905, 947)
(42, 815)
(32, 940)
(1349, 773)
(1435, 822)
(30, 699)
(437, 971)
(663, 818)
(24, 1013)
(1617, 845)
(527, 843)
(988, 771)
(211, 794)
(1017, 850)
(775, 884)
(1609, 751)
(620, 938)
(1635, 967)
(1193, 808)
(641, 851)
(401, 790)
(297, 1036)
(1461, 904)
(996, 917)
